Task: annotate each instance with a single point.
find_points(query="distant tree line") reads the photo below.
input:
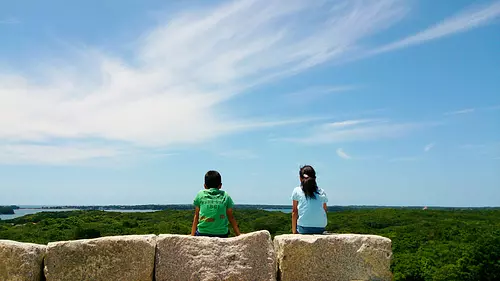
(8, 210)
(157, 207)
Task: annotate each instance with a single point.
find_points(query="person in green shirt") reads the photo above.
(213, 209)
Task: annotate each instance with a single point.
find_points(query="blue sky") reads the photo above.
(393, 102)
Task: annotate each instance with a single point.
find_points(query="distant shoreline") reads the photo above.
(158, 207)
(23, 210)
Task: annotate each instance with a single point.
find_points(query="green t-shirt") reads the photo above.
(213, 204)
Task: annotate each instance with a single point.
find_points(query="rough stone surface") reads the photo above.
(333, 257)
(121, 258)
(21, 261)
(246, 257)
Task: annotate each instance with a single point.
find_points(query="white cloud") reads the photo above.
(462, 111)
(471, 18)
(473, 110)
(53, 154)
(348, 123)
(312, 93)
(358, 130)
(80, 153)
(242, 154)
(428, 147)
(489, 149)
(342, 154)
(10, 20)
(174, 87)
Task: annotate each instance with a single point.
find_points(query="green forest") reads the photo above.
(7, 210)
(427, 244)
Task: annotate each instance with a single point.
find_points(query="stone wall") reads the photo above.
(21, 261)
(251, 256)
(340, 257)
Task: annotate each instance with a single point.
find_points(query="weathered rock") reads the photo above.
(246, 257)
(21, 261)
(333, 257)
(123, 258)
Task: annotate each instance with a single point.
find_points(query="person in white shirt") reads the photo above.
(309, 204)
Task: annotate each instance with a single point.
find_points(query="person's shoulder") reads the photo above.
(321, 191)
(224, 193)
(297, 189)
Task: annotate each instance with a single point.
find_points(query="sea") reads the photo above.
(283, 210)
(28, 210)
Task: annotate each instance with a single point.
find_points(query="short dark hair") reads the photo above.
(213, 179)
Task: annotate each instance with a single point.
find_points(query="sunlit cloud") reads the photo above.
(311, 94)
(176, 85)
(54, 154)
(358, 131)
(428, 147)
(472, 17)
(175, 89)
(342, 154)
(462, 111)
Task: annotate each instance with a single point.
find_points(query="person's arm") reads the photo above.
(325, 207)
(232, 220)
(295, 216)
(195, 220)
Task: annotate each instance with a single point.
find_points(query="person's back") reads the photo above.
(309, 204)
(213, 209)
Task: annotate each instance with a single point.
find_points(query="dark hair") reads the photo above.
(213, 179)
(308, 181)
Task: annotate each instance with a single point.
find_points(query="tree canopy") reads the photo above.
(427, 245)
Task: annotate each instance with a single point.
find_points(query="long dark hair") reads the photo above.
(308, 181)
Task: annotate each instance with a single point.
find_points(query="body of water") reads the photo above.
(131, 211)
(23, 212)
(285, 210)
(29, 211)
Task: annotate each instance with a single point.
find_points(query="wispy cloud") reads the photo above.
(358, 130)
(10, 20)
(54, 154)
(241, 154)
(342, 154)
(79, 153)
(349, 123)
(473, 110)
(462, 111)
(312, 93)
(473, 146)
(174, 86)
(170, 91)
(466, 20)
(494, 107)
(490, 149)
(428, 147)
